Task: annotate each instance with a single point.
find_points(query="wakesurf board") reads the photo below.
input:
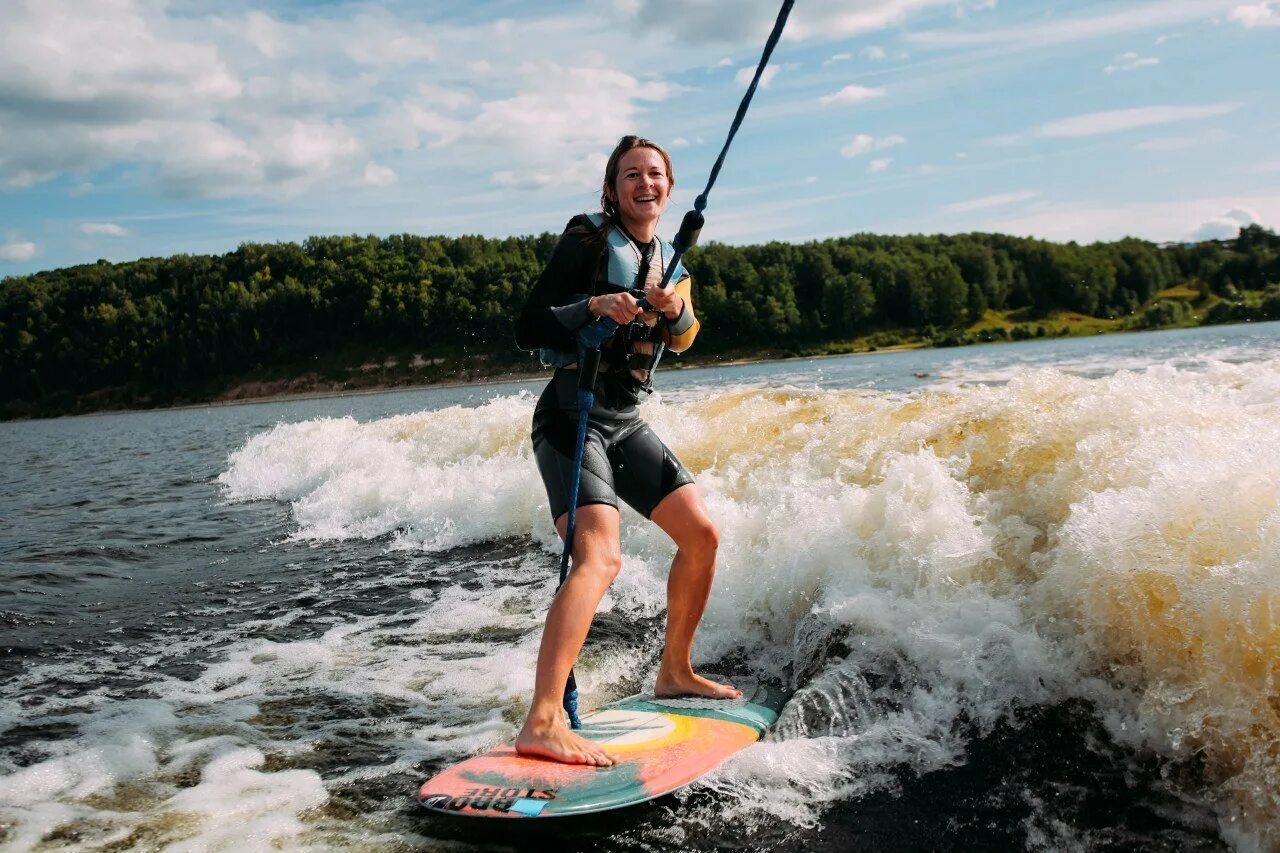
(661, 744)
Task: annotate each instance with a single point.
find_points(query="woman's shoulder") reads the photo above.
(585, 226)
(581, 235)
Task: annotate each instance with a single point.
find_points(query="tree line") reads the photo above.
(182, 326)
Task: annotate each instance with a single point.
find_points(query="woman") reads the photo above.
(597, 260)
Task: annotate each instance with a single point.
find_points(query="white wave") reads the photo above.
(925, 564)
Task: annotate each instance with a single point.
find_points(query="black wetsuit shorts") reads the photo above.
(623, 457)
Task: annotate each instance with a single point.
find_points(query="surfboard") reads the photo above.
(661, 744)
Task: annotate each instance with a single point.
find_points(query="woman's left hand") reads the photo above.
(666, 300)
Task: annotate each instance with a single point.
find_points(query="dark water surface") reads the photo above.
(261, 626)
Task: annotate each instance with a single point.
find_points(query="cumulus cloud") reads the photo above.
(1130, 61)
(1226, 225)
(874, 53)
(1113, 121)
(852, 94)
(879, 165)
(85, 86)
(376, 175)
(249, 103)
(17, 251)
(105, 229)
(1257, 14)
(582, 172)
(451, 99)
(547, 113)
(837, 57)
(863, 143)
(745, 75)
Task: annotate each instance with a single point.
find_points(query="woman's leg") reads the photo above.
(597, 558)
(683, 516)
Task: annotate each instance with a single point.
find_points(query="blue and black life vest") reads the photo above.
(624, 267)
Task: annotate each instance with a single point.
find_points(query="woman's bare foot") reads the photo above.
(556, 741)
(670, 685)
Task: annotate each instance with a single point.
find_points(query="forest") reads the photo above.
(159, 331)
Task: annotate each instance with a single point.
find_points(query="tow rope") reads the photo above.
(593, 336)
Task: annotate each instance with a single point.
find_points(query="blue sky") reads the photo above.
(134, 128)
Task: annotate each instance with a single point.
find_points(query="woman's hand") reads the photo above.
(621, 308)
(666, 300)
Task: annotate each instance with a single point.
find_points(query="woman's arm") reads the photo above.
(557, 305)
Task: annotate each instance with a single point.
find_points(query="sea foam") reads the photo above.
(922, 566)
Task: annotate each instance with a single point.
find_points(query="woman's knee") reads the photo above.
(601, 557)
(703, 539)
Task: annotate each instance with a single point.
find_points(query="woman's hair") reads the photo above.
(625, 144)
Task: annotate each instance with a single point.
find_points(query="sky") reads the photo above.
(133, 128)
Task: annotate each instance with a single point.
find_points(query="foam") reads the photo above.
(995, 546)
(922, 564)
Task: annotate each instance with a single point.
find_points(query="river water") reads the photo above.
(1028, 595)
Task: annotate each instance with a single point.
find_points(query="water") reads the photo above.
(1029, 596)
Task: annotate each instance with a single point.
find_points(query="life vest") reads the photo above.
(621, 268)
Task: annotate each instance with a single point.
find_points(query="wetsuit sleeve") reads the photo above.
(557, 304)
(682, 330)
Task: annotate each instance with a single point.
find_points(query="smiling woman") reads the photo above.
(601, 260)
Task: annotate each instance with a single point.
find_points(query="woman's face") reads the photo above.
(642, 186)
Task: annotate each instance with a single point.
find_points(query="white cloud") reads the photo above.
(187, 102)
(1130, 62)
(852, 94)
(547, 114)
(1226, 225)
(989, 201)
(77, 59)
(874, 53)
(378, 38)
(864, 143)
(837, 57)
(750, 21)
(451, 99)
(105, 229)
(376, 175)
(1056, 29)
(1181, 143)
(1256, 15)
(880, 165)
(679, 142)
(582, 173)
(745, 75)
(1167, 38)
(1160, 220)
(17, 251)
(1113, 121)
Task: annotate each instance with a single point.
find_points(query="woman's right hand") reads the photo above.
(621, 308)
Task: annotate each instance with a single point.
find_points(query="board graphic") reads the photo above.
(661, 744)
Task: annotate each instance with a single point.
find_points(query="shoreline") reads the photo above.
(496, 379)
(228, 398)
